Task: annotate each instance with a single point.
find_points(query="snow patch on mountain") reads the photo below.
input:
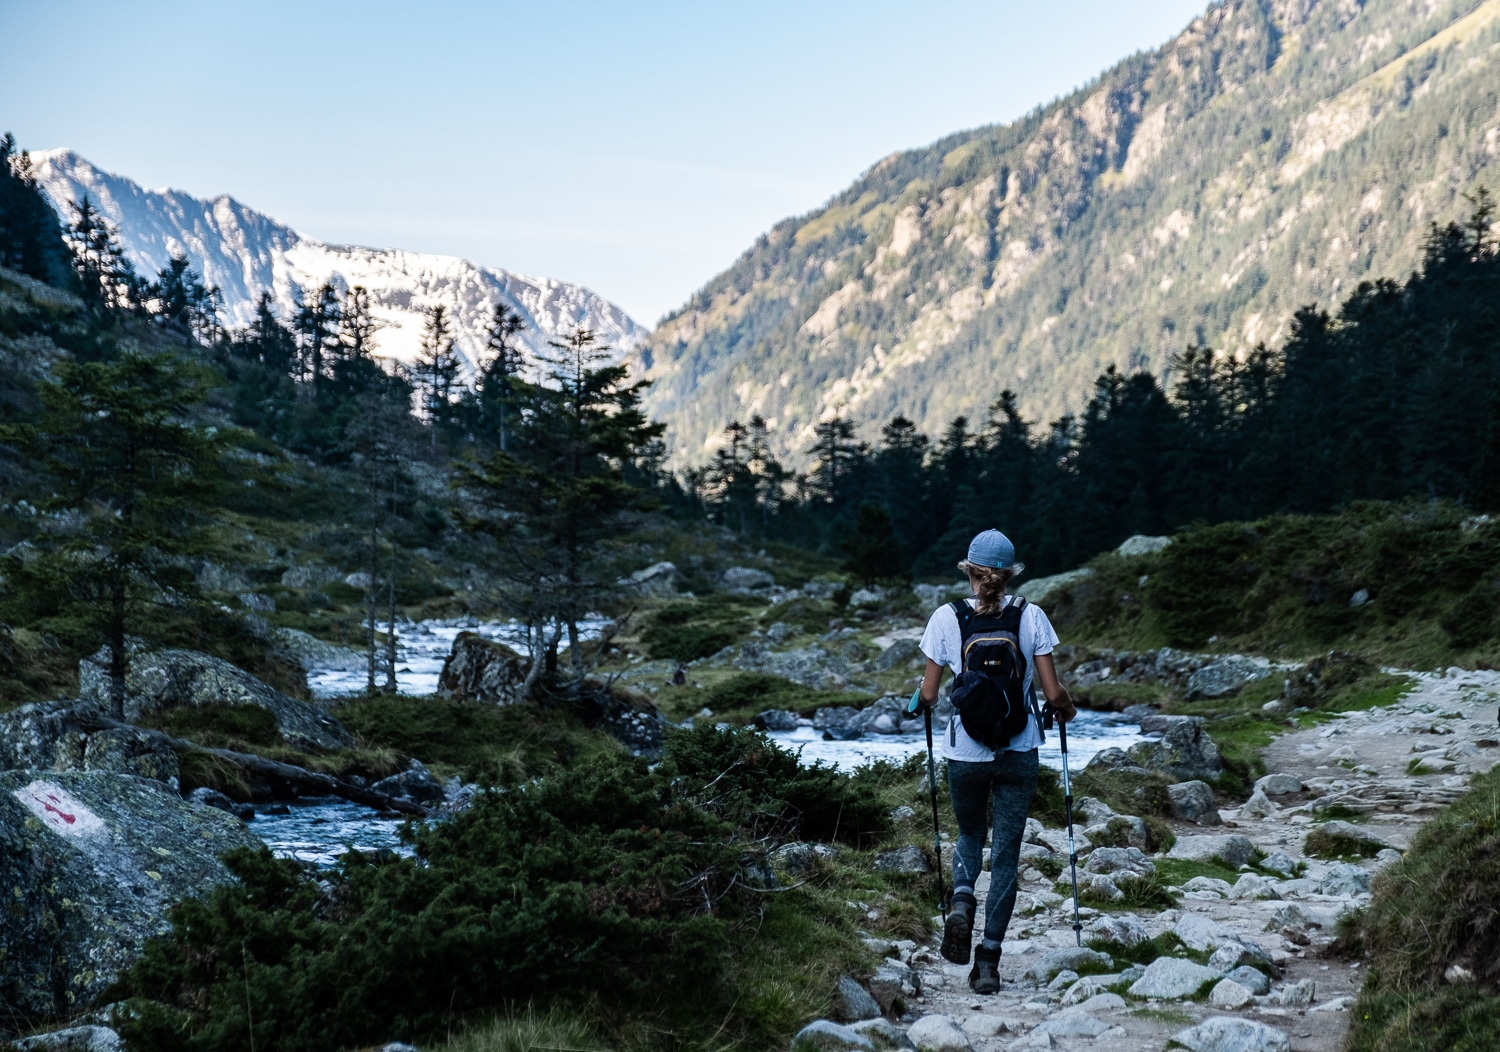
(246, 253)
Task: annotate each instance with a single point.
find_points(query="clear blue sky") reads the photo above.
(636, 148)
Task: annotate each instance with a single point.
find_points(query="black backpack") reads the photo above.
(988, 693)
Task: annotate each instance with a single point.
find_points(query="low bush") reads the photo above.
(744, 694)
(686, 630)
(1432, 911)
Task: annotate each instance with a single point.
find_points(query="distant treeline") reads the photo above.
(1395, 395)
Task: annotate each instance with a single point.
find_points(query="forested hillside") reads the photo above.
(1272, 156)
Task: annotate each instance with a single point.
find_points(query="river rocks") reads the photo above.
(1343, 879)
(1229, 1034)
(938, 1033)
(90, 862)
(884, 1035)
(1232, 849)
(308, 652)
(479, 669)
(1168, 977)
(1184, 752)
(854, 1001)
(1120, 864)
(1222, 678)
(213, 798)
(909, 859)
(745, 580)
(165, 679)
(775, 720)
(1194, 802)
(824, 1036)
(415, 783)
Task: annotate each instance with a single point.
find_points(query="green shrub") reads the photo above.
(1167, 944)
(1433, 909)
(810, 615)
(688, 630)
(1321, 843)
(744, 694)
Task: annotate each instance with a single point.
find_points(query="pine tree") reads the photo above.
(435, 372)
(317, 327)
(874, 552)
(31, 240)
(494, 387)
(107, 279)
(128, 475)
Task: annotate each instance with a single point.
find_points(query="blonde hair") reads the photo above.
(989, 585)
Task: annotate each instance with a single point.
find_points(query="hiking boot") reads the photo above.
(984, 977)
(958, 929)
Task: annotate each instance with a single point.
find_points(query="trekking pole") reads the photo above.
(1062, 735)
(937, 835)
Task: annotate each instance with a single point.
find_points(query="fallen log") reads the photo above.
(299, 777)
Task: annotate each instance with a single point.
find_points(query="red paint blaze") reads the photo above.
(59, 812)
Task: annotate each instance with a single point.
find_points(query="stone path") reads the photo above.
(1362, 761)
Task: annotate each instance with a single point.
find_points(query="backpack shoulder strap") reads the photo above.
(965, 614)
(1011, 614)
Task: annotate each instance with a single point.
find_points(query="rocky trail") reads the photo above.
(1390, 768)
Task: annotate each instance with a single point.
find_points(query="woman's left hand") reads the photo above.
(1062, 706)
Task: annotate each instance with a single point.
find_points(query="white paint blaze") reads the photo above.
(59, 810)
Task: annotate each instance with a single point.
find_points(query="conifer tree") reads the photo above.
(494, 387)
(317, 327)
(107, 279)
(30, 238)
(435, 372)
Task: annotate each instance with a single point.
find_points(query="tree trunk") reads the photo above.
(390, 630)
(117, 656)
(575, 652)
(370, 594)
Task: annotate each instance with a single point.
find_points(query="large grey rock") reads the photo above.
(884, 1035)
(1194, 802)
(1201, 932)
(909, 859)
(1141, 544)
(1293, 915)
(47, 735)
(416, 784)
(1076, 1022)
(479, 669)
(1038, 589)
(158, 680)
(309, 652)
(776, 720)
(1229, 1034)
(1278, 784)
(1232, 849)
(1296, 995)
(1069, 959)
(938, 1033)
(1168, 977)
(1252, 979)
(1253, 887)
(1133, 830)
(73, 1039)
(823, 1036)
(896, 655)
(1258, 806)
(658, 580)
(1229, 994)
(90, 862)
(1184, 751)
(1114, 759)
(1339, 828)
(811, 666)
(1344, 879)
(1120, 864)
(1123, 929)
(854, 1001)
(1222, 678)
(746, 580)
(894, 981)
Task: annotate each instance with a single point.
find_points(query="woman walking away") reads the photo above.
(996, 645)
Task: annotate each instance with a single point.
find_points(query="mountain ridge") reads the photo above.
(246, 252)
(1271, 155)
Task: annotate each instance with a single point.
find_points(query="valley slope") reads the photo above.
(246, 253)
(1275, 154)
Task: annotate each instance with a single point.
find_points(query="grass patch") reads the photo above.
(1112, 696)
(1178, 871)
(1327, 844)
(744, 694)
(1431, 910)
(1174, 1016)
(686, 629)
(1166, 944)
(530, 1031)
(1340, 813)
(1147, 893)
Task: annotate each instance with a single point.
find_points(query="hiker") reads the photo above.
(992, 758)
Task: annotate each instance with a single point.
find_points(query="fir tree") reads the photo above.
(435, 372)
(874, 552)
(107, 279)
(495, 386)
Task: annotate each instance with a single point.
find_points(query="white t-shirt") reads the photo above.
(943, 643)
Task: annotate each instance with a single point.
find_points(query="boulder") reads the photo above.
(1121, 864)
(213, 798)
(1366, 838)
(73, 1039)
(1280, 863)
(775, 720)
(1229, 994)
(1203, 887)
(166, 679)
(1252, 979)
(1131, 828)
(746, 580)
(823, 1036)
(1114, 759)
(1344, 879)
(1296, 995)
(1258, 806)
(1185, 751)
(1278, 784)
(1140, 544)
(938, 1033)
(1301, 917)
(932, 596)
(780, 632)
(798, 858)
(308, 652)
(1038, 589)
(1169, 977)
(896, 655)
(46, 735)
(1104, 1002)
(854, 1001)
(1232, 849)
(1230, 1034)
(1068, 959)
(869, 597)
(91, 861)
(1194, 802)
(1057, 841)
(658, 580)
(1073, 1023)
(811, 666)
(909, 859)
(1253, 887)
(884, 1035)
(1222, 678)
(893, 981)
(1125, 930)
(310, 575)
(416, 784)
(479, 669)
(1200, 932)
